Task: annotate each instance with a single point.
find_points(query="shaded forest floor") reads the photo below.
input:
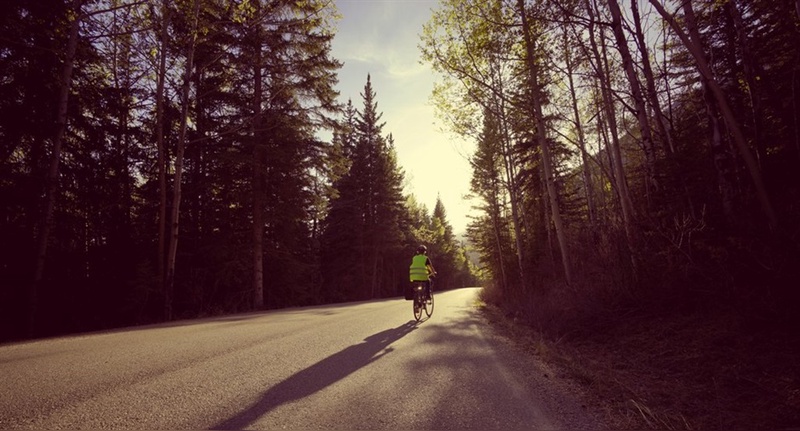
(675, 372)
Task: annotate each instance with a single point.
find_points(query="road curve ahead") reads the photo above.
(363, 365)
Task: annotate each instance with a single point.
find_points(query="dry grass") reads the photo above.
(676, 372)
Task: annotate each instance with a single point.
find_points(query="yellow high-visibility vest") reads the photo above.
(418, 271)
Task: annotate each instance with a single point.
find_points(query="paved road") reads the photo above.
(364, 365)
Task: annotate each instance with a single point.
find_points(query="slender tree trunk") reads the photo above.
(258, 172)
(796, 97)
(669, 115)
(613, 145)
(513, 192)
(176, 196)
(722, 159)
(636, 93)
(121, 70)
(52, 184)
(605, 142)
(796, 110)
(585, 171)
(721, 156)
(661, 119)
(695, 49)
(498, 107)
(750, 66)
(547, 162)
(258, 223)
(496, 229)
(162, 166)
(375, 275)
(650, 82)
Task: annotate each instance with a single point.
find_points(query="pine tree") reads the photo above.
(444, 250)
(490, 233)
(363, 241)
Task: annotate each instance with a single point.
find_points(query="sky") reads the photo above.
(381, 38)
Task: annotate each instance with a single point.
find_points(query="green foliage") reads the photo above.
(448, 254)
(683, 244)
(102, 260)
(363, 238)
(492, 234)
(372, 229)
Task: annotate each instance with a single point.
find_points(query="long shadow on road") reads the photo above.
(319, 376)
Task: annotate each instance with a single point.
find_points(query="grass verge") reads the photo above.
(675, 372)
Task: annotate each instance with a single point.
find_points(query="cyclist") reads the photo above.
(421, 269)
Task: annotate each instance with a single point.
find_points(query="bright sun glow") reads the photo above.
(380, 39)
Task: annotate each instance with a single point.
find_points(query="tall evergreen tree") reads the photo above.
(27, 93)
(104, 231)
(445, 249)
(491, 233)
(363, 241)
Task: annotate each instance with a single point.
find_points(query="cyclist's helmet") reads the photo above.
(422, 249)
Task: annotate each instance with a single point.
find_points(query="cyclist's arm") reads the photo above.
(429, 264)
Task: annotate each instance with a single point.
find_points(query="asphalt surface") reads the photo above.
(365, 365)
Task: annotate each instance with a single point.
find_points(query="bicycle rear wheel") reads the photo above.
(419, 302)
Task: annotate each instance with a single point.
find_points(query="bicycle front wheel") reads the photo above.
(429, 306)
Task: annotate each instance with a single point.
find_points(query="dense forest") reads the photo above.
(162, 160)
(638, 154)
(636, 168)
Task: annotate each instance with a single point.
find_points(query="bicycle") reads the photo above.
(421, 301)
